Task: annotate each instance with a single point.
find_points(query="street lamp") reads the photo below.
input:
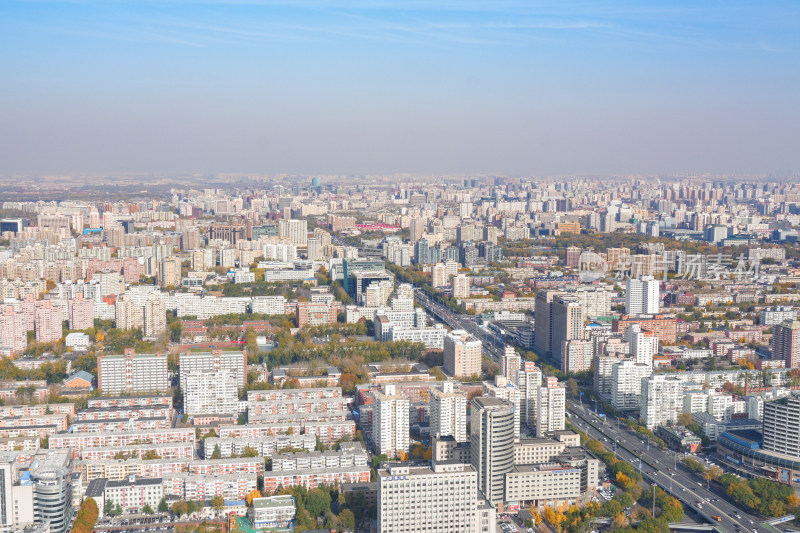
(654, 500)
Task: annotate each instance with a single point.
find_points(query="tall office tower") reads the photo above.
(626, 384)
(294, 230)
(438, 275)
(782, 425)
(169, 272)
(154, 317)
(529, 379)
(462, 354)
(210, 393)
(642, 296)
(449, 413)
(48, 323)
(416, 229)
(510, 364)
(492, 445)
(390, 426)
(132, 373)
(567, 322)
(786, 342)
(662, 400)
(505, 390)
(81, 313)
(441, 498)
(644, 344)
(543, 330)
(214, 361)
(551, 407)
(461, 286)
(51, 477)
(572, 257)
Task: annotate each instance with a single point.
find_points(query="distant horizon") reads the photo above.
(355, 87)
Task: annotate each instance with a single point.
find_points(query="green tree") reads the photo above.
(347, 519)
(147, 509)
(216, 454)
(318, 501)
(162, 506)
(249, 451)
(218, 502)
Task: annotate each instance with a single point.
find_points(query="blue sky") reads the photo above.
(506, 87)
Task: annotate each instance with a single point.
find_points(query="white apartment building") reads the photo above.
(662, 400)
(642, 296)
(438, 275)
(460, 286)
(131, 494)
(782, 425)
(448, 413)
(390, 426)
(207, 392)
(626, 384)
(269, 305)
(551, 407)
(643, 344)
(441, 498)
(132, 373)
(529, 379)
(272, 512)
(214, 361)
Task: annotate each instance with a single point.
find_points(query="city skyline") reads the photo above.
(513, 88)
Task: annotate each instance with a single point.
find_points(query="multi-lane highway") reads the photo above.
(492, 347)
(664, 468)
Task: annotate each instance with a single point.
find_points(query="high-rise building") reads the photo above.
(643, 344)
(642, 296)
(460, 286)
(567, 322)
(782, 425)
(505, 390)
(81, 313)
(576, 355)
(529, 379)
(786, 343)
(662, 400)
(215, 361)
(441, 498)
(572, 257)
(510, 364)
(169, 272)
(52, 490)
(551, 405)
(626, 384)
(132, 373)
(416, 229)
(390, 425)
(49, 327)
(438, 275)
(294, 230)
(462, 354)
(448, 413)
(543, 326)
(154, 317)
(492, 445)
(13, 333)
(210, 393)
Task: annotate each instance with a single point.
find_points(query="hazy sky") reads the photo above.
(333, 86)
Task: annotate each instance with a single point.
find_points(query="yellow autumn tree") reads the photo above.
(254, 494)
